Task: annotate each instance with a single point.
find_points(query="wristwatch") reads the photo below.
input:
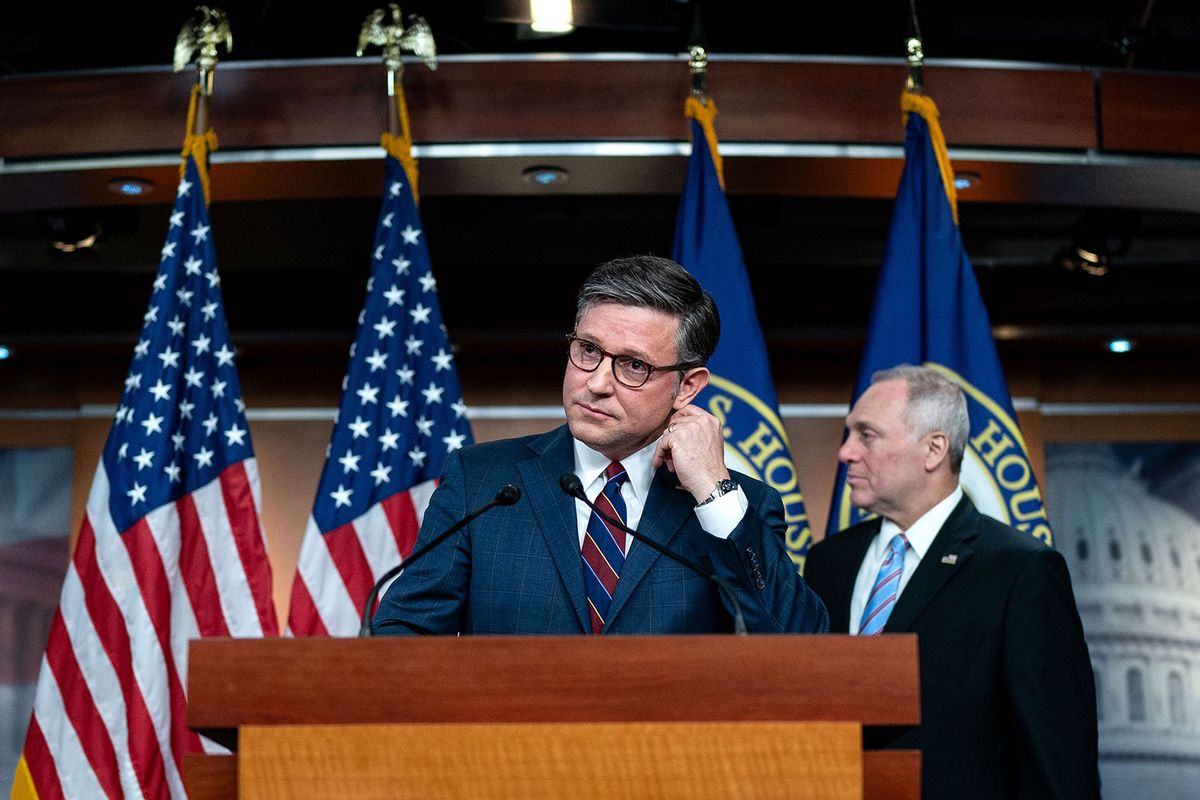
(723, 488)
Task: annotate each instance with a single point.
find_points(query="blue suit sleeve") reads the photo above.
(429, 597)
(753, 560)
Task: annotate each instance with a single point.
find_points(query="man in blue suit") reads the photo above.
(644, 330)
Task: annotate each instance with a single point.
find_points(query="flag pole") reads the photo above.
(386, 28)
(914, 52)
(199, 39)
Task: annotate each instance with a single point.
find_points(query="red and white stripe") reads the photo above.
(338, 569)
(110, 707)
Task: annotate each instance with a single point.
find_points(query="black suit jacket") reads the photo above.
(1008, 702)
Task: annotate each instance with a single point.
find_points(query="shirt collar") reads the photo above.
(590, 466)
(922, 532)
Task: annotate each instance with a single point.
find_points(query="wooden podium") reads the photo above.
(553, 717)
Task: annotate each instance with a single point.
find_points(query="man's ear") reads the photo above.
(693, 381)
(937, 450)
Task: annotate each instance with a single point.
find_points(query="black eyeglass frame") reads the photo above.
(612, 358)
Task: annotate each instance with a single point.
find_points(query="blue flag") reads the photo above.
(928, 310)
(740, 391)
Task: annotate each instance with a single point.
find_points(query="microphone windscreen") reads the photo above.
(571, 484)
(508, 495)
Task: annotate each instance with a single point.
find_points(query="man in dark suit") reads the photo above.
(644, 329)
(1008, 703)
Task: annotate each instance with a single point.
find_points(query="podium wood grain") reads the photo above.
(689, 761)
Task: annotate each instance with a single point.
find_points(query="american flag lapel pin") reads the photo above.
(950, 558)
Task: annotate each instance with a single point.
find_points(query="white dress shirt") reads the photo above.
(919, 536)
(718, 518)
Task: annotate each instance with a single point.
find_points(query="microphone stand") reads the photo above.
(507, 495)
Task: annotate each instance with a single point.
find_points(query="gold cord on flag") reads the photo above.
(925, 107)
(704, 113)
(400, 146)
(197, 145)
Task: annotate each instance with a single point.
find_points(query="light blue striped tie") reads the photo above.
(886, 589)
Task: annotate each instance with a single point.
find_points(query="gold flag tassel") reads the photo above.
(922, 105)
(399, 145)
(702, 108)
(197, 145)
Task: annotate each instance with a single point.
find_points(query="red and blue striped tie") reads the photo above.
(604, 548)
(886, 589)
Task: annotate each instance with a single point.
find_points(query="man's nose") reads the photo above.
(600, 381)
(847, 450)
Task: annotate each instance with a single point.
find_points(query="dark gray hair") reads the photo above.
(661, 284)
(935, 403)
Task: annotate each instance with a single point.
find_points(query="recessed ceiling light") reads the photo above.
(1119, 345)
(546, 175)
(966, 180)
(131, 187)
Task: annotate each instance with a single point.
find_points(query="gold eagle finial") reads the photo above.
(386, 28)
(200, 36)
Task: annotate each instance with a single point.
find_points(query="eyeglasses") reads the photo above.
(629, 371)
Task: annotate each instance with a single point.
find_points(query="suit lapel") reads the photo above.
(667, 510)
(848, 550)
(956, 538)
(555, 513)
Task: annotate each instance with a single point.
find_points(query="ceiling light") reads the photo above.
(86, 243)
(1101, 235)
(1119, 345)
(546, 175)
(131, 187)
(551, 16)
(966, 180)
(1091, 263)
(5, 352)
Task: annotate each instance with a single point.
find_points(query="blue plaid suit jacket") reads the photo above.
(517, 569)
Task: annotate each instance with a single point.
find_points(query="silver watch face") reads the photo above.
(725, 487)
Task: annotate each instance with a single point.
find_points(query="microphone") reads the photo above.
(507, 496)
(569, 482)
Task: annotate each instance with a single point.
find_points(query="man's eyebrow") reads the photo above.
(640, 356)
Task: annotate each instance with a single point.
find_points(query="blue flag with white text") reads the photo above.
(928, 310)
(740, 392)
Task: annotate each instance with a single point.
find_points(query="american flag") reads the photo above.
(170, 547)
(401, 414)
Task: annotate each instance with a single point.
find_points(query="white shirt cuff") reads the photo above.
(722, 515)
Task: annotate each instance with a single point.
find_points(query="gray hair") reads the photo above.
(663, 285)
(935, 403)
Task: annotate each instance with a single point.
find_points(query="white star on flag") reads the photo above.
(235, 435)
(200, 232)
(420, 313)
